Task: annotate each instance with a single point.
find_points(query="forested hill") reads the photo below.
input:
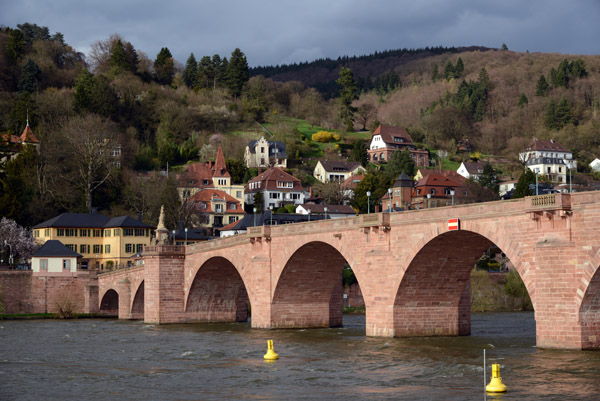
(371, 71)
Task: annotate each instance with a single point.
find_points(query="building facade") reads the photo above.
(217, 208)
(387, 139)
(103, 242)
(263, 153)
(549, 158)
(277, 188)
(336, 171)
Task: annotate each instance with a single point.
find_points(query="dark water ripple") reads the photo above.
(121, 360)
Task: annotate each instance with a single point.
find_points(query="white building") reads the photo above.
(471, 170)
(277, 187)
(263, 153)
(54, 257)
(335, 170)
(549, 158)
(595, 165)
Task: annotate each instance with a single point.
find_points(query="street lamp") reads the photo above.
(568, 163)
(536, 183)
(254, 210)
(368, 202)
(428, 201)
(173, 237)
(10, 256)
(452, 192)
(309, 215)
(185, 236)
(271, 209)
(325, 209)
(390, 196)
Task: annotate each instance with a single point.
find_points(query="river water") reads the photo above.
(129, 360)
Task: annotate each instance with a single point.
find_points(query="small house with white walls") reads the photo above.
(54, 257)
(263, 153)
(549, 158)
(336, 170)
(595, 165)
(471, 170)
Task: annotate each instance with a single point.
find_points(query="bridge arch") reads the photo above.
(137, 305)
(589, 309)
(109, 303)
(308, 290)
(217, 293)
(433, 296)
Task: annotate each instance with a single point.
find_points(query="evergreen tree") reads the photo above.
(504, 47)
(458, 70)
(561, 77)
(522, 189)
(237, 72)
(551, 121)
(359, 153)
(435, 75)
(219, 67)
(348, 93)
(489, 178)
(164, 67)
(205, 73)
(448, 70)
(563, 114)
(400, 162)
(118, 57)
(484, 78)
(190, 72)
(578, 69)
(541, 87)
(83, 91)
(30, 77)
(523, 100)
(552, 77)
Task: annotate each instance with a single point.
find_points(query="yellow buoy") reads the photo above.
(496, 385)
(271, 355)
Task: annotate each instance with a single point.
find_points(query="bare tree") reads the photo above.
(332, 192)
(84, 155)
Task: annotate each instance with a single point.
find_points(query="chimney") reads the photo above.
(140, 216)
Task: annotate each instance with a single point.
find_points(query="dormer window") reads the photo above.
(432, 191)
(398, 139)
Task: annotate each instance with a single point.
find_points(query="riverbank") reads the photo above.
(31, 316)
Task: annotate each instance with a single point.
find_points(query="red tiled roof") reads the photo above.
(271, 177)
(206, 196)
(436, 181)
(446, 173)
(389, 132)
(350, 182)
(27, 136)
(220, 168)
(546, 145)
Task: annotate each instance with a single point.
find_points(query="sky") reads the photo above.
(274, 32)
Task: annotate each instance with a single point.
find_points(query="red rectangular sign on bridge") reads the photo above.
(453, 224)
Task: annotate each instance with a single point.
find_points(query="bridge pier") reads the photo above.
(124, 299)
(164, 297)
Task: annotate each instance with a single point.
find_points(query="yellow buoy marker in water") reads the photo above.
(271, 355)
(496, 385)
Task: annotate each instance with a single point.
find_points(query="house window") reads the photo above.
(84, 232)
(418, 192)
(107, 233)
(128, 248)
(139, 248)
(285, 184)
(84, 248)
(274, 195)
(43, 264)
(432, 191)
(97, 248)
(232, 219)
(139, 232)
(295, 196)
(98, 233)
(60, 232)
(262, 149)
(232, 206)
(238, 194)
(72, 247)
(204, 182)
(67, 264)
(47, 232)
(107, 248)
(375, 156)
(219, 208)
(117, 232)
(128, 232)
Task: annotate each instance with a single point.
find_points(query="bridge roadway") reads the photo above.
(412, 270)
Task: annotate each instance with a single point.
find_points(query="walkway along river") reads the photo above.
(129, 360)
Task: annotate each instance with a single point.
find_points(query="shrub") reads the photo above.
(322, 136)
(66, 304)
(336, 137)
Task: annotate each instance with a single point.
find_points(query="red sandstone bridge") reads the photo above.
(413, 271)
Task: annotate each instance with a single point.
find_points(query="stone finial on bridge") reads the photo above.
(162, 234)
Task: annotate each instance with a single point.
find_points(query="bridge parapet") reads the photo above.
(548, 204)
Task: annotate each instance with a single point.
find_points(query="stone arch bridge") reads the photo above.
(413, 271)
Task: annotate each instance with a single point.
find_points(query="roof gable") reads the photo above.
(55, 248)
(393, 135)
